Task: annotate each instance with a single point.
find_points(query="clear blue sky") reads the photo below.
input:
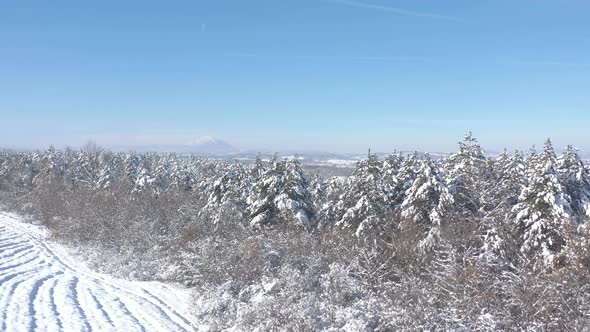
(337, 75)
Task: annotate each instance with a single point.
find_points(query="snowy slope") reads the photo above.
(44, 289)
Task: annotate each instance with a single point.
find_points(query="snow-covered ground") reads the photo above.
(42, 288)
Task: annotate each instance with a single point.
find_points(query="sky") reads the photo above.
(322, 75)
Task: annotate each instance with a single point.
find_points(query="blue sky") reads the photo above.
(332, 75)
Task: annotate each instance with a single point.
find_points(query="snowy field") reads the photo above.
(42, 288)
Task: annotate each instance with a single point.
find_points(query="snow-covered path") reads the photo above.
(42, 288)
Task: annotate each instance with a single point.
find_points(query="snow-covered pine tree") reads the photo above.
(258, 168)
(531, 160)
(402, 181)
(363, 204)
(318, 189)
(253, 173)
(509, 178)
(106, 174)
(7, 173)
(543, 207)
(507, 183)
(390, 181)
(32, 169)
(295, 200)
(329, 208)
(205, 174)
(85, 169)
(52, 167)
(576, 180)
(161, 173)
(281, 192)
(226, 197)
(467, 176)
(180, 175)
(427, 200)
(131, 167)
(147, 181)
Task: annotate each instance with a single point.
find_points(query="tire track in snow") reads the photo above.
(8, 265)
(34, 292)
(101, 320)
(9, 253)
(41, 289)
(17, 257)
(51, 316)
(73, 291)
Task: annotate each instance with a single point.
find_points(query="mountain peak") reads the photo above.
(209, 145)
(204, 140)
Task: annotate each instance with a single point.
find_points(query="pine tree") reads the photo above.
(52, 167)
(86, 169)
(106, 175)
(576, 181)
(393, 179)
(403, 180)
(468, 172)
(131, 167)
(226, 197)
(281, 192)
(295, 199)
(329, 207)
(543, 207)
(427, 200)
(147, 180)
(508, 182)
(7, 174)
(509, 178)
(180, 176)
(363, 204)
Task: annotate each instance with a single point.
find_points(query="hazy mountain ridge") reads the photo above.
(205, 145)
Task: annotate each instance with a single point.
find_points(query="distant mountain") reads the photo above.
(209, 145)
(206, 145)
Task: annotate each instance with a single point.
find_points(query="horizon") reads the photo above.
(335, 76)
(200, 146)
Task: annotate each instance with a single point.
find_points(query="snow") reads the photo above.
(258, 220)
(43, 288)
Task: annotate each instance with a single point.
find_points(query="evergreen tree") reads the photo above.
(509, 178)
(180, 176)
(427, 200)
(543, 207)
(576, 181)
(508, 182)
(106, 175)
(295, 199)
(131, 167)
(403, 180)
(363, 204)
(86, 169)
(52, 167)
(147, 181)
(282, 192)
(392, 169)
(468, 172)
(329, 205)
(226, 196)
